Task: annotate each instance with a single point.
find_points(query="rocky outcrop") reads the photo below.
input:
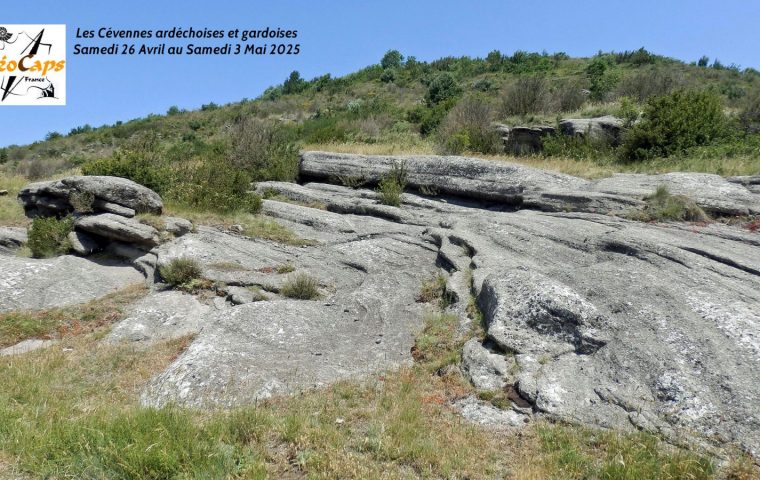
(607, 128)
(589, 317)
(522, 140)
(104, 209)
(101, 194)
(516, 185)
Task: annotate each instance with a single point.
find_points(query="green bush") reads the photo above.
(749, 117)
(468, 127)
(181, 271)
(265, 150)
(674, 123)
(215, 184)
(443, 87)
(139, 160)
(48, 236)
(301, 287)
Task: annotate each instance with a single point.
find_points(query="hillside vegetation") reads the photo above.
(403, 105)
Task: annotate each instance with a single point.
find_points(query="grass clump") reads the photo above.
(392, 185)
(48, 236)
(664, 206)
(301, 287)
(433, 290)
(181, 272)
(285, 268)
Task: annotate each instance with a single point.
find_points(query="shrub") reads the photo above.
(434, 290)
(301, 287)
(663, 206)
(139, 160)
(215, 184)
(294, 83)
(392, 185)
(265, 150)
(181, 271)
(48, 236)
(527, 95)
(443, 87)
(468, 127)
(428, 118)
(673, 123)
(567, 97)
(82, 201)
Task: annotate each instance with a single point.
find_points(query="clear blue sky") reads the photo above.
(341, 36)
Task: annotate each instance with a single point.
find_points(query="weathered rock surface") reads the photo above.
(518, 185)
(83, 244)
(177, 226)
(116, 227)
(12, 238)
(523, 140)
(160, 316)
(486, 370)
(110, 194)
(26, 346)
(606, 128)
(365, 321)
(31, 284)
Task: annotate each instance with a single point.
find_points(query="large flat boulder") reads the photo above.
(32, 284)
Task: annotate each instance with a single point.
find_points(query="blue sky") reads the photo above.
(341, 36)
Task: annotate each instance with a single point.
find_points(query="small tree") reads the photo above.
(294, 83)
(603, 79)
(674, 123)
(391, 59)
(703, 61)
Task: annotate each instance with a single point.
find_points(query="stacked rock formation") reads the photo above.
(104, 210)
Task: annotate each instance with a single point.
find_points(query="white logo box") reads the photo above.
(32, 64)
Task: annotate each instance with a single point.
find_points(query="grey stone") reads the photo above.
(522, 140)
(606, 128)
(26, 346)
(240, 295)
(12, 238)
(83, 244)
(32, 284)
(115, 227)
(117, 190)
(159, 317)
(485, 369)
(100, 205)
(489, 416)
(110, 194)
(177, 226)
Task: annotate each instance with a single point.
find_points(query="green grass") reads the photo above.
(11, 212)
(21, 325)
(73, 412)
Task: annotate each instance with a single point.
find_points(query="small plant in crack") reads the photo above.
(434, 290)
(392, 185)
(301, 287)
(185, 274)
